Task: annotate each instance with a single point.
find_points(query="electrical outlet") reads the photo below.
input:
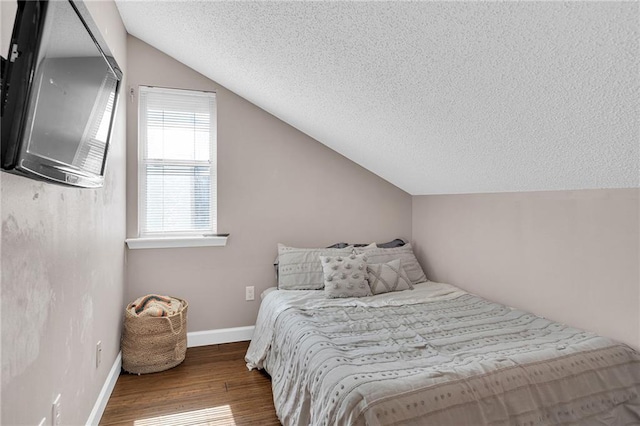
(55, 411)
(249, 293)
(98, 353)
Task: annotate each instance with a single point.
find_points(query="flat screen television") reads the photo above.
(60, 87)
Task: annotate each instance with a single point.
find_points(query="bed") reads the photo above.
(436, 355)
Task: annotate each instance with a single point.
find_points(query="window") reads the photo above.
(177, 167)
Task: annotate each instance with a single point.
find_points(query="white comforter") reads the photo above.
(436, 355)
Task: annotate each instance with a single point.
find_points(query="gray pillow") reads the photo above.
(345, 276)
(405, 253)
(394, 243)
(386, 277)
(300, 268)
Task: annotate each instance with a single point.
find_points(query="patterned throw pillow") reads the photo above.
(345, 276)
(405, 253)
(386, 277)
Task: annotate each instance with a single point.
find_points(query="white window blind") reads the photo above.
(177, 170)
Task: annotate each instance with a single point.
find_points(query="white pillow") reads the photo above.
(405, 253)
(345, 276)
(386, 277)
(300, 268)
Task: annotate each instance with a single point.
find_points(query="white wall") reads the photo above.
(62, 275)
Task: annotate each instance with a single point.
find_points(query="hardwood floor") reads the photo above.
(211, 387)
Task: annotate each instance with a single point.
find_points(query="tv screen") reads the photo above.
(60, 88)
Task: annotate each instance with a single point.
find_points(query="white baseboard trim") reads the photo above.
(105, 392)
(222, 335)
(195, 338)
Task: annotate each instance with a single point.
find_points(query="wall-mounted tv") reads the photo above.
(60, 87)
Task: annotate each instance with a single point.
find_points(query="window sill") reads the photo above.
(177, 242)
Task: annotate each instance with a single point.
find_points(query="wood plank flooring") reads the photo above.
(211, 387)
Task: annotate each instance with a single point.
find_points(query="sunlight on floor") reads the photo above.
(214, 416)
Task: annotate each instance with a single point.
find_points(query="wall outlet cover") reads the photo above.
(98, 353)
(56, 411)
(250, 293)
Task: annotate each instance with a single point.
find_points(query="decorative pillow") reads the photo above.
(300, 268)
(339, 245)
(394, 243)
(386, 277)
(391, 244)
(345, 276)
(405, 253)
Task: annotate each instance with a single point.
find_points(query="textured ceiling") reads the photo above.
(435, 97)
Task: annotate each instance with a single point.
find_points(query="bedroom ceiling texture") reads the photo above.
(435, 97)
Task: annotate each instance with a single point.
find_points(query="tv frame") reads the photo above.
(17, 84)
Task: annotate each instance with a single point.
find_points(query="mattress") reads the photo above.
(436, 355)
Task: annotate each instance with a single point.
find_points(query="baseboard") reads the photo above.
(105, 392)
(222, 335)
(195, 338)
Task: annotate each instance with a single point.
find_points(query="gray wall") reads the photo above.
(62, 275)
(571, 256)
(275, 184)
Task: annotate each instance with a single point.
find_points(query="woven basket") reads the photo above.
(152, 344)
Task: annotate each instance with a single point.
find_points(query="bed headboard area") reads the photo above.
(398, 242)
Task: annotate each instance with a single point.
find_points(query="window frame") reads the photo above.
(176, 238)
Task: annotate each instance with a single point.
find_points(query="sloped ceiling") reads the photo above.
(435, 97)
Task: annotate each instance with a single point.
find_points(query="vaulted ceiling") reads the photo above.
(435, 97)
